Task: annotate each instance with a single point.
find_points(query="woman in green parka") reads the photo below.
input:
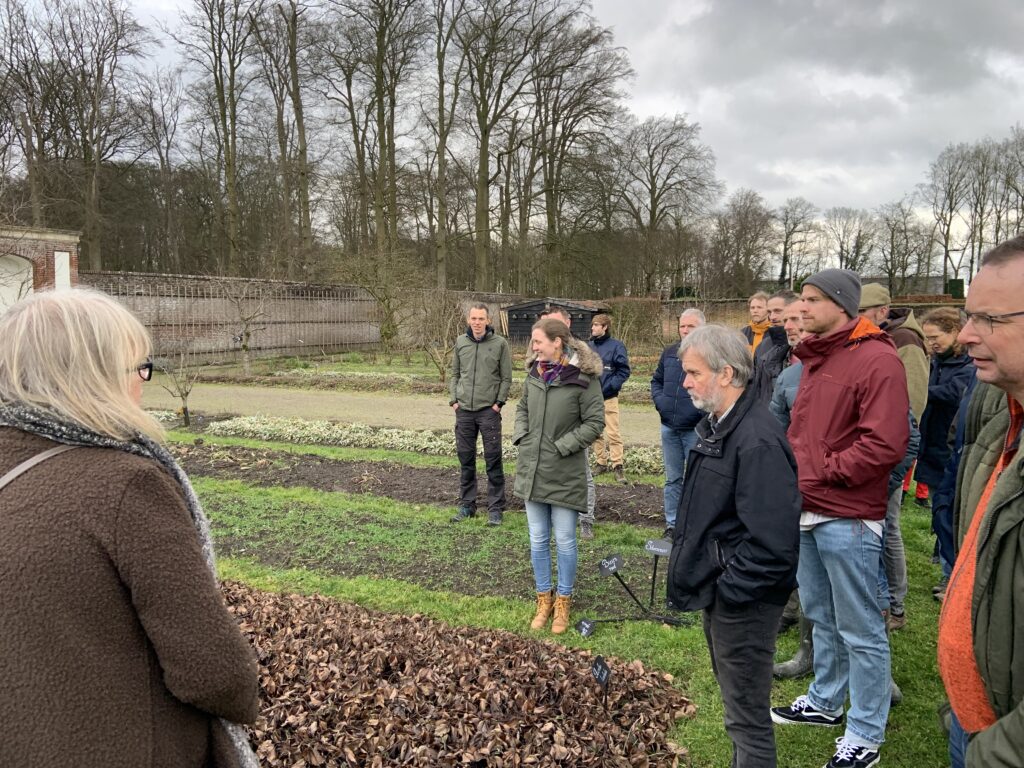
(560, 413)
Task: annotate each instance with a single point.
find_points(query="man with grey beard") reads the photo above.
(736, 536)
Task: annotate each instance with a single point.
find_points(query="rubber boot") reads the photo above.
(561, 622)
(545, 605)
(791, 613)
(895, 694)
(802, 662)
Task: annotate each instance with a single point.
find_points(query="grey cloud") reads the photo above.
(845, 103)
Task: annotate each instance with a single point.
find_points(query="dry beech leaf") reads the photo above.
(344, 686)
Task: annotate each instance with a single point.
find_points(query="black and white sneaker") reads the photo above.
(852, 756)
(800, 712)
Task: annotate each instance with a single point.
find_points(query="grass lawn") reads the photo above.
(405, 558)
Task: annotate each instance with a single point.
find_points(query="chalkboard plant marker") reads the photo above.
(603, 674)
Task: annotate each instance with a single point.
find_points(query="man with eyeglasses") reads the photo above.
(980, 630)
(848, 429)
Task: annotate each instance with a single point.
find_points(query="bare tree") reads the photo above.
(904, 245)
(182, 372)
(216, 37)
(248, 302)
(576, 94)
(670, 177)
(982, 180)
(742, 239)
(449, 71)
(95, 42)
(796, 224)
(850, 235)
(1013, 181)
(435, 323)
(946, 191)
(497, 38)
(32, 95)
(163, 102)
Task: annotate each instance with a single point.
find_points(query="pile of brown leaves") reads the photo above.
(344, 686)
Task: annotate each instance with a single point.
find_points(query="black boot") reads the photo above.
(802, 662)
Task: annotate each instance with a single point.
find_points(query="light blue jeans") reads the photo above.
(675, 450)
(838, 577)
(541, 519)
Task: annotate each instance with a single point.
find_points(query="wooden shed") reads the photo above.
(518, 319)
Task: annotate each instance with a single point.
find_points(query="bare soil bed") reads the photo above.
(635, 504)
(344, 686)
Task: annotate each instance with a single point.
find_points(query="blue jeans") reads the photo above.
(892, 568)
(675, 449)
(838, 577)
(957, 743)
(541, 518)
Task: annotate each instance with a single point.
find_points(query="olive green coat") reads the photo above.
(998, 601)
(554, 423)
(481, 371)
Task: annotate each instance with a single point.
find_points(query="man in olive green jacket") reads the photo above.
(980, 631)
(480, 378)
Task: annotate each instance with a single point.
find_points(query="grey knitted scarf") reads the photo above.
(38, 422)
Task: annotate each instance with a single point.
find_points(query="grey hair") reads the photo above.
(693, 311)
(719, 346)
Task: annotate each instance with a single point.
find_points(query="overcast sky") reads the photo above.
(844, 102)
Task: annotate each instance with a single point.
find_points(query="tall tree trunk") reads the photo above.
(91, 229)
(32, 170)
(285, 171)
(441, 239)
(482, 221)
(302, 160)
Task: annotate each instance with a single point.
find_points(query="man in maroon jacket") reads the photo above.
(849, 428)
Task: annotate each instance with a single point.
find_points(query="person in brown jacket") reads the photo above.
(117, 648)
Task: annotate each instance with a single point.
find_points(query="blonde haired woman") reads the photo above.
(117, 648)
(560, 413)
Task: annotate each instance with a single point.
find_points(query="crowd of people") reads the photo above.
(787, 446)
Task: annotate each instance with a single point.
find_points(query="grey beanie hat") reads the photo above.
(840, 285)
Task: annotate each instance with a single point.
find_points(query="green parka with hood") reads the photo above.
(554, 423)
(998, 599)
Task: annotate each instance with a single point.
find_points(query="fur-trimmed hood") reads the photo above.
(580, 355)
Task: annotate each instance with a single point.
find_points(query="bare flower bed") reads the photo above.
(636, 504)
(344, 686)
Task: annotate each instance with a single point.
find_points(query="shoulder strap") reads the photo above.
(39, 458)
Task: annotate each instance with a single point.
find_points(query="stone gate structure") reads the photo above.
(34, 259)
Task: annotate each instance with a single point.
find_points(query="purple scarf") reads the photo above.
(550, 371)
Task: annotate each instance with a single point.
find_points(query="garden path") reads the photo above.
(639, 424)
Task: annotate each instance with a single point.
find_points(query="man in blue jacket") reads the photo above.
(678, 415)
(616, 371)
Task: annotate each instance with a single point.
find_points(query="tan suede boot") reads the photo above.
(545, 603)
(561, 622)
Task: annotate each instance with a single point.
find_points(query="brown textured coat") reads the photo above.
(116, 649)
